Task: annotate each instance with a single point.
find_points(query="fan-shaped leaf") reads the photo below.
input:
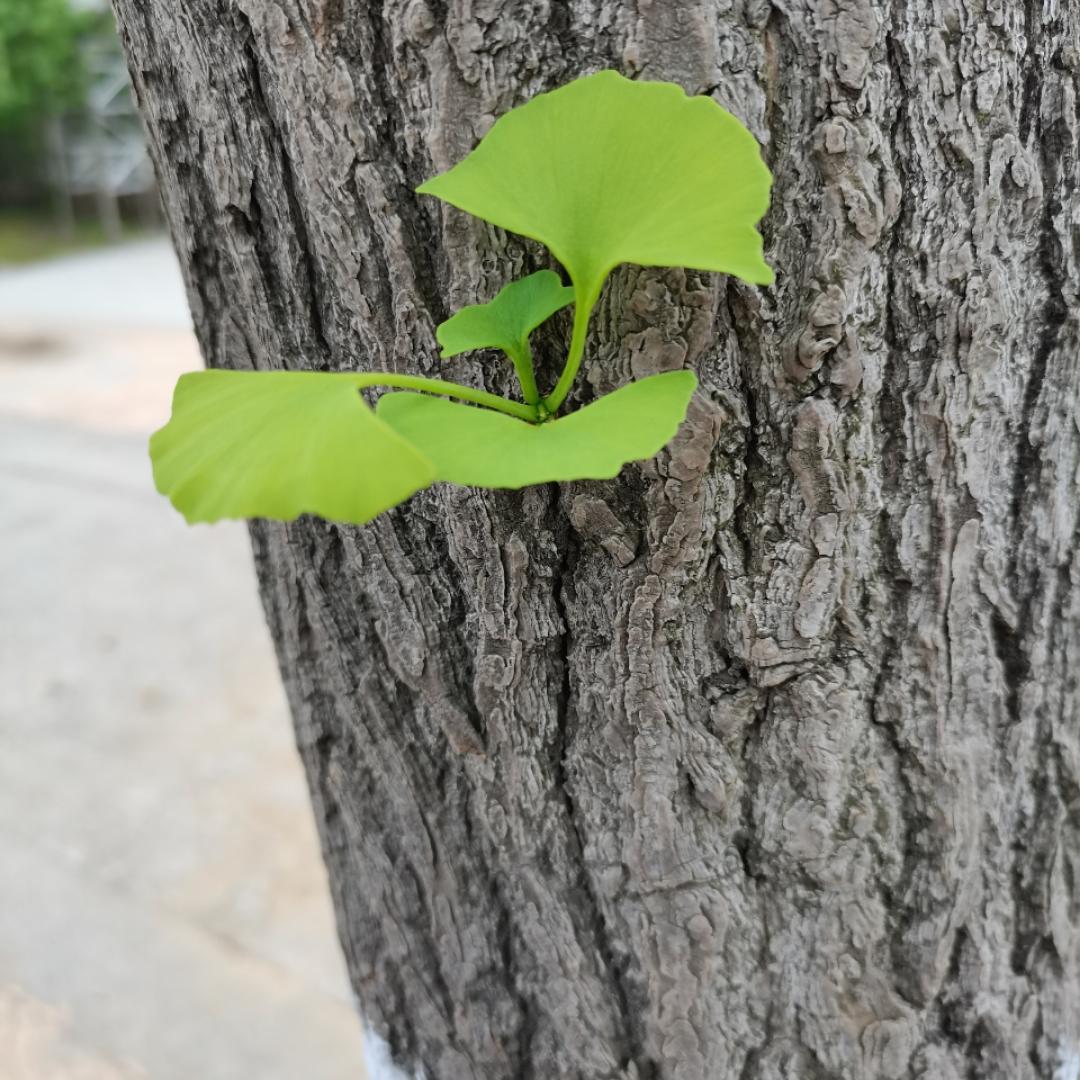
(481, 448)
(605, 171)
(281, 444)
(507, 321)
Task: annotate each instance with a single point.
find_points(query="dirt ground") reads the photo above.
(163, 906)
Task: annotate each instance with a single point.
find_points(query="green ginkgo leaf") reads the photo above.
(506, 323)
(280, 444)
(482, 448)
(602, 171)
(605, 171)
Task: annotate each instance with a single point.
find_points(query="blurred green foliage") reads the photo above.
(29, 235)
(40, 69)
(41, 74)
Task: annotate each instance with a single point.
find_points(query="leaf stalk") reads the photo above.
(583, 308)
(444, 388)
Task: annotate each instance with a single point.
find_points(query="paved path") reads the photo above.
(135, 285)
(163, 908)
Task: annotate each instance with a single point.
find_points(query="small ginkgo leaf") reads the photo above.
(605, 171)
(481, 448)
(507, 321)
(280, 444)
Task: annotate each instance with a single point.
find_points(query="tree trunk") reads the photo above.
(763, 760)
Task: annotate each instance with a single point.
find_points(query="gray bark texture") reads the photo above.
(761, 761)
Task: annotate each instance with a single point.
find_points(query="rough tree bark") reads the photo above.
(762, 760)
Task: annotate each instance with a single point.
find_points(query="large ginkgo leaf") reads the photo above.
(281, 444)
(605, 171)
(481, 448)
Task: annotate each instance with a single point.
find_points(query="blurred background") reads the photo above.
(163, 906)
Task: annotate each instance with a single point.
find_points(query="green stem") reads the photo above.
(582, 311)
(522, 357)
(448, 389)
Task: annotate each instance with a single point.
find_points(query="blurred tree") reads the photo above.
(38, 59)
(41, 75)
